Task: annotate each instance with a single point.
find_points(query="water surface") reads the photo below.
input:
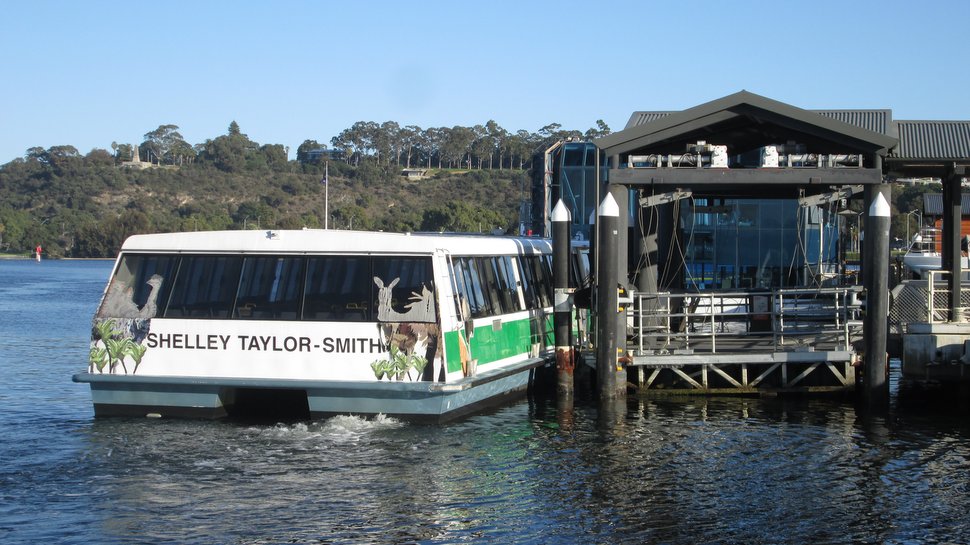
(719, 470)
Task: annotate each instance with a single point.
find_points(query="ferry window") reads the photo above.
(545, 268)
(470, 287)
(403, 289)
(338, 288)
(140, 287)
(528, 280)
(537, 275)
(270, 288)
(505, 282)
(461, 296)
(204, 287)
(486, 266)
(509, 269)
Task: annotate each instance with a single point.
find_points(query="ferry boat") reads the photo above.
(421, 326)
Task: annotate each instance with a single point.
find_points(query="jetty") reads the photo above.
(719, 240)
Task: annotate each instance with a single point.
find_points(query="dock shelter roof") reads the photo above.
(930, 149)
(746, 122)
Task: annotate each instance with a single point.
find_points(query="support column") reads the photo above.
(946, 227)
(607, 248)
(952, 217)
(647, 273)
(621, 194)
(562, 312)
(875, 326)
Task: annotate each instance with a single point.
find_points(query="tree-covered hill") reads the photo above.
(78, 205)
(85, 205)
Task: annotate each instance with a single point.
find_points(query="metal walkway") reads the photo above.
(782, 340)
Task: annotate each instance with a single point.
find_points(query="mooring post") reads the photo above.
(875, 326)
(607, 385)
(562, 311)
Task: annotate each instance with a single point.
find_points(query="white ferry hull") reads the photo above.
(134, 396)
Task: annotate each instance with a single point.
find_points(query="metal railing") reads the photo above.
(778, 319)
(938, 296)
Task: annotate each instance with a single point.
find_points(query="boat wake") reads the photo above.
(350, 425)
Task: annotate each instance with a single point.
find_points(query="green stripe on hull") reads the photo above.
(488, 345)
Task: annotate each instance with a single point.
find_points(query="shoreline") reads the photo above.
(12, 257)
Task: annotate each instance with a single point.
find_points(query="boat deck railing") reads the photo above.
(926, 242)
(782, 319)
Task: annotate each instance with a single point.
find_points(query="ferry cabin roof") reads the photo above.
(311, 241)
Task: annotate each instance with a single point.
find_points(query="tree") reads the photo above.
(99, 157)
(62, 158)
(356, 141)
(302, 152)
(36, 153)
(432, 138)
(253, 215)
(123, 152)
(601, 129)
(552, 133)
(387, 141)
(166, 145)
(274, 155)
(351, 216)
(482, 145)
(230, 152)
(520, 145)
(498, 136)
(181, 153)
(457, 143)
(459, 216)
(410, 138)
(906, 199)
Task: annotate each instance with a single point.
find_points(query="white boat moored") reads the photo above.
(422, 326)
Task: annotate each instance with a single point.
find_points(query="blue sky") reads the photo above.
(90, 73)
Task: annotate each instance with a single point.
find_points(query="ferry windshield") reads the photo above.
(319, 288)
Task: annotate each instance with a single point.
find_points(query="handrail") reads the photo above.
(665, 321)
(935, 315)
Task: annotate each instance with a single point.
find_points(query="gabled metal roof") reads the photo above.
(933, 140)
(933, 204)
(731, 114)
(879, 121)
(641, 118)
